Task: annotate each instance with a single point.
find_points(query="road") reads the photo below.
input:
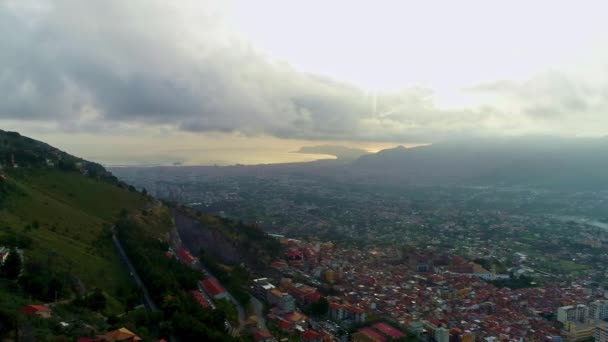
(148, 303)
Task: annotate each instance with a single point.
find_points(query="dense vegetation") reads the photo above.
(56, 211)
(168, 281)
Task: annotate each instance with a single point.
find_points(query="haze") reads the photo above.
(194, 81)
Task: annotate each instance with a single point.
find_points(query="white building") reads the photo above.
(601, 333)
(598, 310)
(571, 313)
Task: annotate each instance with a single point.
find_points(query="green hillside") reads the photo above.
(58, 214)
(57, 210)
(67, 217)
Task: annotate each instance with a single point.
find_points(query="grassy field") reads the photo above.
(68, 218)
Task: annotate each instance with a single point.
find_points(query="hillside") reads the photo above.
(59, 215)
(57, 210)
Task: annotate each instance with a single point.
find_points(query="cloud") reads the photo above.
(103, 66)
(555, 102)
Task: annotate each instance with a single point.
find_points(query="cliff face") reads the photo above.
(229, 241)
(195, 236)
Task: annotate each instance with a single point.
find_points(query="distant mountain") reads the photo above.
(535, 162)
(340, 152)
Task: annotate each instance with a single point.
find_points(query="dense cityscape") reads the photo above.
(436, 263)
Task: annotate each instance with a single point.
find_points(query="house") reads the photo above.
(122, 334)
(336, 311)
(283, 300)
(39, 310)
(280, 265)
(213, 288)
(285, 326)
(198, 297)
(339, 312)
(261, 287)
(185, 257)
(368, 335)
(388, 331)
(296, 317)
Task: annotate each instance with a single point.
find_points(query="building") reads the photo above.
(282, 300)
(340, 312)
(213, 288)
(601, 332)
(442, 334)
(572, 313)
(388, 331)
(598, 310)
(198, 297)
(467, 336)
(336, 311)
(574, 332)
(122, 335)
(368, 335)
(261, 287)
(185, 257)
(38, 310)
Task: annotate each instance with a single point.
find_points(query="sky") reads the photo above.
(223, 82)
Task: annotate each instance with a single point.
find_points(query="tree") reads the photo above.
(96, 301)
(12, 266)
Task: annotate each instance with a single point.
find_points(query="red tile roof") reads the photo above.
(199, 298)
(312, 297)
(186, 257)
(278, 264)
(261, 335)
(32, 309)
(311, 335)
(212, 287)
(285, 325)
(373, 335)
(355, 309)
(388, 330)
